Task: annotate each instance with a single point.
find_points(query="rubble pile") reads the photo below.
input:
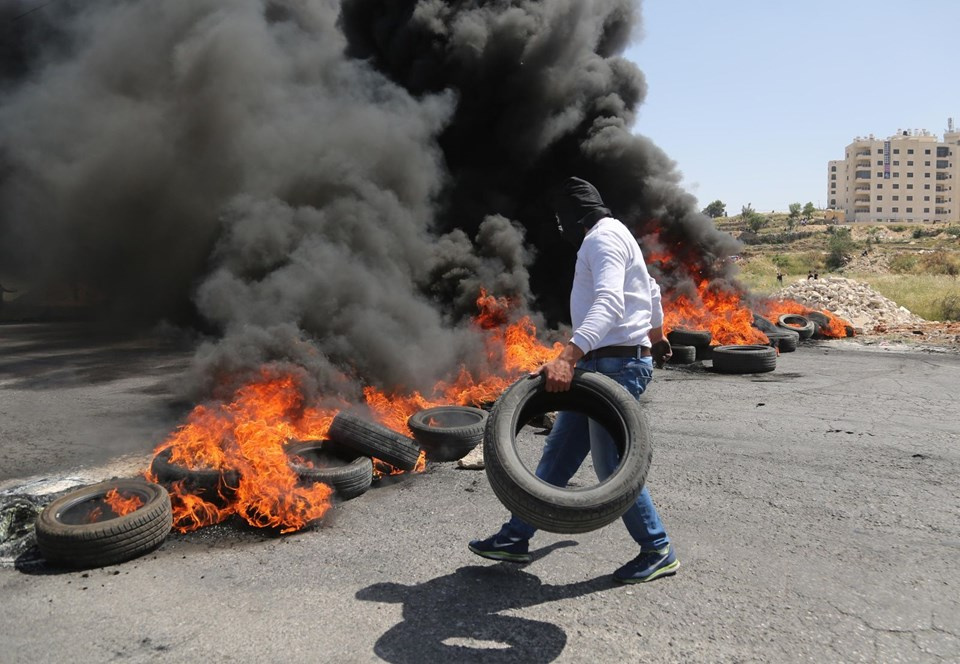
(865, 308)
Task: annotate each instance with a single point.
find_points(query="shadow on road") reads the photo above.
(456, 618)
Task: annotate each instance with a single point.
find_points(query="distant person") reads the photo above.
(810, 275)
(780, 277)
(816, 275)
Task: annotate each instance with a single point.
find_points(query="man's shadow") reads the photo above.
(456, 618)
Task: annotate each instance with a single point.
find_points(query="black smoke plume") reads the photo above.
(327, 184)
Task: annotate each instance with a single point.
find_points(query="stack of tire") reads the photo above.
(784, 339)
(688, 345)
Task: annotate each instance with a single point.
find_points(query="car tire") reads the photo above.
(214, 486)
(684, 337)
(65, 538)
(799, 324)
(683, 354)
(374, 440)
(744, 359)
(448, 433)
(350, 475)
(558, 509)
(784, 340)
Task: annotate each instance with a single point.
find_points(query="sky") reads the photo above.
(752, 98)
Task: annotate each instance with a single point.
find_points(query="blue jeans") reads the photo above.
(574, 434)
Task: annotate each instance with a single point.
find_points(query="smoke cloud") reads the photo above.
(327, 185)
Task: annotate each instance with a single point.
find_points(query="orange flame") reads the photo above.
(719, 311)
(119, 503)
(248, 433)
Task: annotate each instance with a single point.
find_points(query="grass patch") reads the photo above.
(930, 296)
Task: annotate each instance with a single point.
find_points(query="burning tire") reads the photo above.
(820, 321)
(84, 529)
(374, 440)
(313, 461)
(684, 337)
(215, 486)
(557, 509)
(683, 354)
(763, 324)
(784, 340)
(744, 359)
(448, 433)
(799, 324)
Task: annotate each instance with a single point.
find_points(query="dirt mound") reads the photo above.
(865, 308)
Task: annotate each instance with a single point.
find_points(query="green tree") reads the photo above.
(840, 246)
(809, 211)
(716, 209)
(793, 216)
(753, 219)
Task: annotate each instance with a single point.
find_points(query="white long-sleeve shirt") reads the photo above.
(614, 300)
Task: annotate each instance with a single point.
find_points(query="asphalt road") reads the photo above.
(814, 509)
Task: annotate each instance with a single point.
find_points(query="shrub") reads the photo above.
(949, 308)
(940, 262)
(922, 232)
(898, 228)
(903, 263)
(952, 230)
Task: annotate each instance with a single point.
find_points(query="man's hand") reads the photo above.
(559, 371)
(662, 352)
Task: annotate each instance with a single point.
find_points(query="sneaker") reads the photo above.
(502, 548)
(649, 565)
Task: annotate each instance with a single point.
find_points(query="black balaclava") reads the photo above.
(578, 203)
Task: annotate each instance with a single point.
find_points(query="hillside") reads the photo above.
(914, 265)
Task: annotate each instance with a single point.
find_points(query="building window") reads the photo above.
(927, 151)
(879, 150)
(909, 210)
(879, 186)
(909, 186)
(897, 174)
(895, 210)
(833, 177)
(926, 198)
(926, 175)
(833, 169)
(896, 162)
(910, 151)
(896, 186)
(910, 163)
(896, 150)
(909, 175)
(879, 198)
(879, 174)
(926, 163)
(909, 198)
(926, 210)
(896, 198)
(943, 152)
(926, 186)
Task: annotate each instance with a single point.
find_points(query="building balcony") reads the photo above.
(862, 153)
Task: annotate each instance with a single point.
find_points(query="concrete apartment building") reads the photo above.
(910, 176)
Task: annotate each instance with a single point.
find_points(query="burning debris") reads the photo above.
(326, 187)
